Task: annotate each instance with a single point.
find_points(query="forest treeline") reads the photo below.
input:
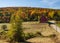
(28, 13)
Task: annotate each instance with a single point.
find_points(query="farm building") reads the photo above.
(43, 19)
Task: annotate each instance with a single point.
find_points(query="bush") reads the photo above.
(29, 35)
(53, 35)
(39, 33)
(4, 27)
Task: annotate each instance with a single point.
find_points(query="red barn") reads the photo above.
(43, 19)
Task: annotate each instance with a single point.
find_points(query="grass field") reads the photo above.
(44, 29)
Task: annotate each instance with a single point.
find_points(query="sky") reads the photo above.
(55, 4)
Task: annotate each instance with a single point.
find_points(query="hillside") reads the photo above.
(28, 13)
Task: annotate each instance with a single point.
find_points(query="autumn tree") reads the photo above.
(51, 14)
(56, 16)
(16, 32)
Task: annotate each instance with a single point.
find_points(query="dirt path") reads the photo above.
(55, 27)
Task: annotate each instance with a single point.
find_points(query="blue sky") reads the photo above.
(31, 3)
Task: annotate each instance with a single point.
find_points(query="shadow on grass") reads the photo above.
(19, 42)
(50, 36)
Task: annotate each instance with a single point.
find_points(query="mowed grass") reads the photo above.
(44, 29)
(39, 27)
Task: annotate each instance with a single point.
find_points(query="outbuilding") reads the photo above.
(43, 19)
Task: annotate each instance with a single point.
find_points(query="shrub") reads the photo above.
(29, 35)
(4, 27)
(53, 35)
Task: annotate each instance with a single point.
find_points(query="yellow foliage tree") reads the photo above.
(50, 14)
(16, 32)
